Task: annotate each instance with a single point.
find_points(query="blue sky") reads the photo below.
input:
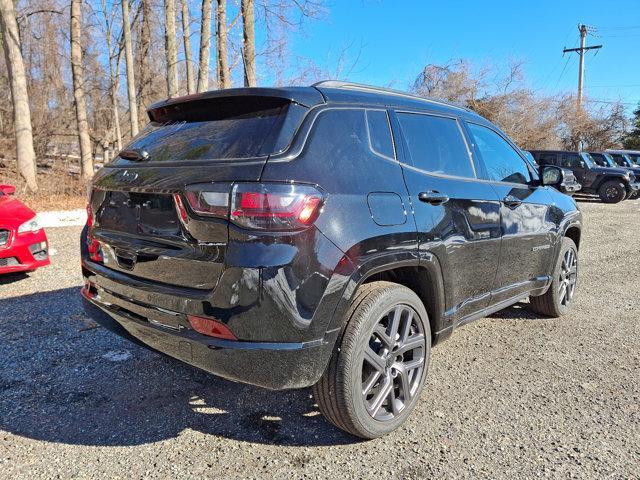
(393, 40)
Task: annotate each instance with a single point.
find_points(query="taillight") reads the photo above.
(93, 245)
(275, 206)
(210, 200)
(210, 327)
(264, 206)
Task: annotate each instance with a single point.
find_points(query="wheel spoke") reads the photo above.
(395, 323)
(413, 364)
(562, 292)
(371, 381)
(412, 343)
(375, 360)
(405, 387)
(381, 333)
(381, 396)
(406, 328)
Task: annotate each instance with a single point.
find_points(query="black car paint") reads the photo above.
(591, 178)
(284, 294)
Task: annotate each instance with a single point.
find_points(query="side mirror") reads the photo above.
(7, 189)
(551, 175)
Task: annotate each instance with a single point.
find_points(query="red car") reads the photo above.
(23, 243)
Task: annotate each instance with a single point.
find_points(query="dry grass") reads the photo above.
(58, 189)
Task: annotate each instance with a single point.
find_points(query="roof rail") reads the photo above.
(388, 91)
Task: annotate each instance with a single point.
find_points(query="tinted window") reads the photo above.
(572, 160)
(500, 159)
(239, 127)
(436, 144)
(547, 159)
(380, 133)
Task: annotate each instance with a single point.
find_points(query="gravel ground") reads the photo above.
(509, 396)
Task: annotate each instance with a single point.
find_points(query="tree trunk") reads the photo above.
(131, 82)
(144, 62)
(77, 71)
(186, 38)
(224, 75)
(171, 47)
(25, 152)
(113, 80)
(249, 44)
(114, 101)
(205, 46)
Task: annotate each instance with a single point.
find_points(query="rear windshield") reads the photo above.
(217, 129)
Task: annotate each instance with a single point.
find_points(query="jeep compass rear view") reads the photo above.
(324, 236)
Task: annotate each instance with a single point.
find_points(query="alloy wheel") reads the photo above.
(568, 276)
(393, 363)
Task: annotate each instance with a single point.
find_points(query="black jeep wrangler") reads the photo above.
(605, 159)
(612, 185)
(326, 235)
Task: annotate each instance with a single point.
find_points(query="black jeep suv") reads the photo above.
(612, 185)
(605, 159)
(326, 235)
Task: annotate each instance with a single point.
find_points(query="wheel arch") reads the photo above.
(574, 233)
(422, 276)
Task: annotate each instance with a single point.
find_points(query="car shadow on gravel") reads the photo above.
(65, 380)
(8, 278)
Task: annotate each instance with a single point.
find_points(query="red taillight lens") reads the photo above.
(210, 327)
(275, 206)
(93, 245)
(264, 206)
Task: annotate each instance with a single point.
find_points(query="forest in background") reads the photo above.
(77, 76)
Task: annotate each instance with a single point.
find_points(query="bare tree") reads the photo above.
(113, 75)
(145, 75)
(128, 55)
(249, 43)
(25, 153)
(171, 47)
(77, 69)
(186, 38)
(224, 75)
(205, 46)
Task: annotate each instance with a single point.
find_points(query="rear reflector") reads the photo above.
(210, 327)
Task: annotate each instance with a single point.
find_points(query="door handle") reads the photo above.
(433, 197)
(511, 201)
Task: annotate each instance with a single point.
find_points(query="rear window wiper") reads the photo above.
(134, 154)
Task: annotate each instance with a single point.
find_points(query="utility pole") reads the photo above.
(583, 29)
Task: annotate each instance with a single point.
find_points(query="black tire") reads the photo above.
(339, 392)
(556, 301)
(612, 191)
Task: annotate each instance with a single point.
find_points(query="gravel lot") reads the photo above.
(510, 396)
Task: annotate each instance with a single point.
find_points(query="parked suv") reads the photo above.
(605, 159)
(625, 158)
(326, 235)
(612, 185)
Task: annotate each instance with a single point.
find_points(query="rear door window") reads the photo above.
(572, 160)
(436, 144)
(547, 159)
(380, 133)
(502, 162)
(217, 129)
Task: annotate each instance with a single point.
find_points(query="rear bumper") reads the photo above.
(274, 366)
(24, 252)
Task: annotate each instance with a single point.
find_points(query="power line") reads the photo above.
(614, 86)
(583, 29)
